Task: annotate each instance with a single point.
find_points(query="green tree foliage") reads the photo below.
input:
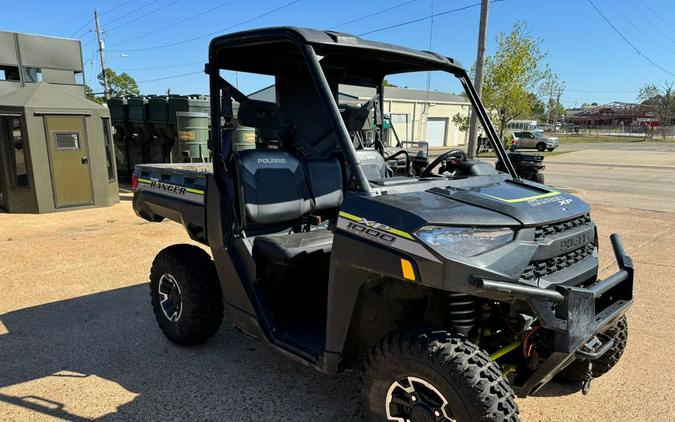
(91, 96)
(119, 84)
(387, 83)
(538, 108)
(511, 74)
(662, 99)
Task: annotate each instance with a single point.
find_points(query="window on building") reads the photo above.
(9, 73)
(32, 74)
(107, 139)
(17, 151)
(64, 141)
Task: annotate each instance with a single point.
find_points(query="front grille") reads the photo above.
(538, 269)
(542, 232)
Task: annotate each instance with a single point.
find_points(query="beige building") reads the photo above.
(417, 115)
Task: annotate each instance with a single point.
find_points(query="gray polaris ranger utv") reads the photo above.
(448, 292)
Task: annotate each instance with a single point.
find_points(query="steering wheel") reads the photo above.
(395, 156)
(457, 153)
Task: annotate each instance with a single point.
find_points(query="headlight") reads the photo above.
(463, 241)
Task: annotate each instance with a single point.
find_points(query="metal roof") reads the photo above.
(347, 57)
(46, 95)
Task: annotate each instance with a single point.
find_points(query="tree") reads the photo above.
(538, 108)
(662, 99)
(387, 83)
(119, 85)
(511, 74)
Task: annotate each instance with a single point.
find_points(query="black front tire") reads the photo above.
(468, 380)
(541, 147)
(576, 371)
(538, 177)
(550, 149)
(198, 312)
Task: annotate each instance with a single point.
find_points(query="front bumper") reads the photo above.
(575, 314)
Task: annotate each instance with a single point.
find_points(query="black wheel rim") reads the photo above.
(169, 297)
(412, 399)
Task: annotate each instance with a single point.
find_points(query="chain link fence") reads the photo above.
(635, 131)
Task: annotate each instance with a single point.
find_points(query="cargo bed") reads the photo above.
(176, 191)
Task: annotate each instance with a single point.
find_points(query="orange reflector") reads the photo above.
(407, 269)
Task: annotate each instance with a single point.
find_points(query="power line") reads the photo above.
(398, 25)
(602, 90)
(144, 15)
(637, 50)
(117, 7)
(220, 31)
(73, 35)
(176, 23)
(658, 28)
(657, 15)
(379, 12)
(132, 12)
(138, 69)
(169, 77)
(638, 29)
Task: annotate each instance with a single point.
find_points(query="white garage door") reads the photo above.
(436, 131)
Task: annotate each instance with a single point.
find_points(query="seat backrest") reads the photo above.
(324, 176)
(274, 187)
(278, 187)
(372, 164)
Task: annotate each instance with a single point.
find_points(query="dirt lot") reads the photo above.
(78, 340)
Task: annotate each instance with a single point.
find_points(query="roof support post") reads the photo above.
(333, 112)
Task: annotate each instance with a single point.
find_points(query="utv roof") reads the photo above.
(344, 56)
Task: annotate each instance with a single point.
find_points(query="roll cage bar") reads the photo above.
(398, 60)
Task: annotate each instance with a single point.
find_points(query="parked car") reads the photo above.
(536, 139)
(549, 127)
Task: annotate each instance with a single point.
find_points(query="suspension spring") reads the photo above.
(462, 312)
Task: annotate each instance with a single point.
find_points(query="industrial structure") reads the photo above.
(28, 59)
(56, 150)
(613, 114)
(160, 129)
(415, 114)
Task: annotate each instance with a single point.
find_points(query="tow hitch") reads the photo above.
(593, 349)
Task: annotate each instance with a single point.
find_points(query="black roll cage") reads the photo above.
(306, 40)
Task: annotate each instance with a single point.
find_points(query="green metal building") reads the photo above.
(56, 151)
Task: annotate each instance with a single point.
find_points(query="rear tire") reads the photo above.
(434, 376)
(185, 294)
(575, 372)
(550, 149)
(541, 147)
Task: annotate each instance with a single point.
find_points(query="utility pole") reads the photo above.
(101, 54)
(557, 107)
(478, 82)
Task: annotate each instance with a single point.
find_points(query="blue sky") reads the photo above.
(592, 59)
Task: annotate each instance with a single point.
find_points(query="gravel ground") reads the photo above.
(78, 340)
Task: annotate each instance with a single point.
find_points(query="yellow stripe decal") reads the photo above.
(391, 230)
(527, 198)
(400, 233)
(191, 190)
(349, 216)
